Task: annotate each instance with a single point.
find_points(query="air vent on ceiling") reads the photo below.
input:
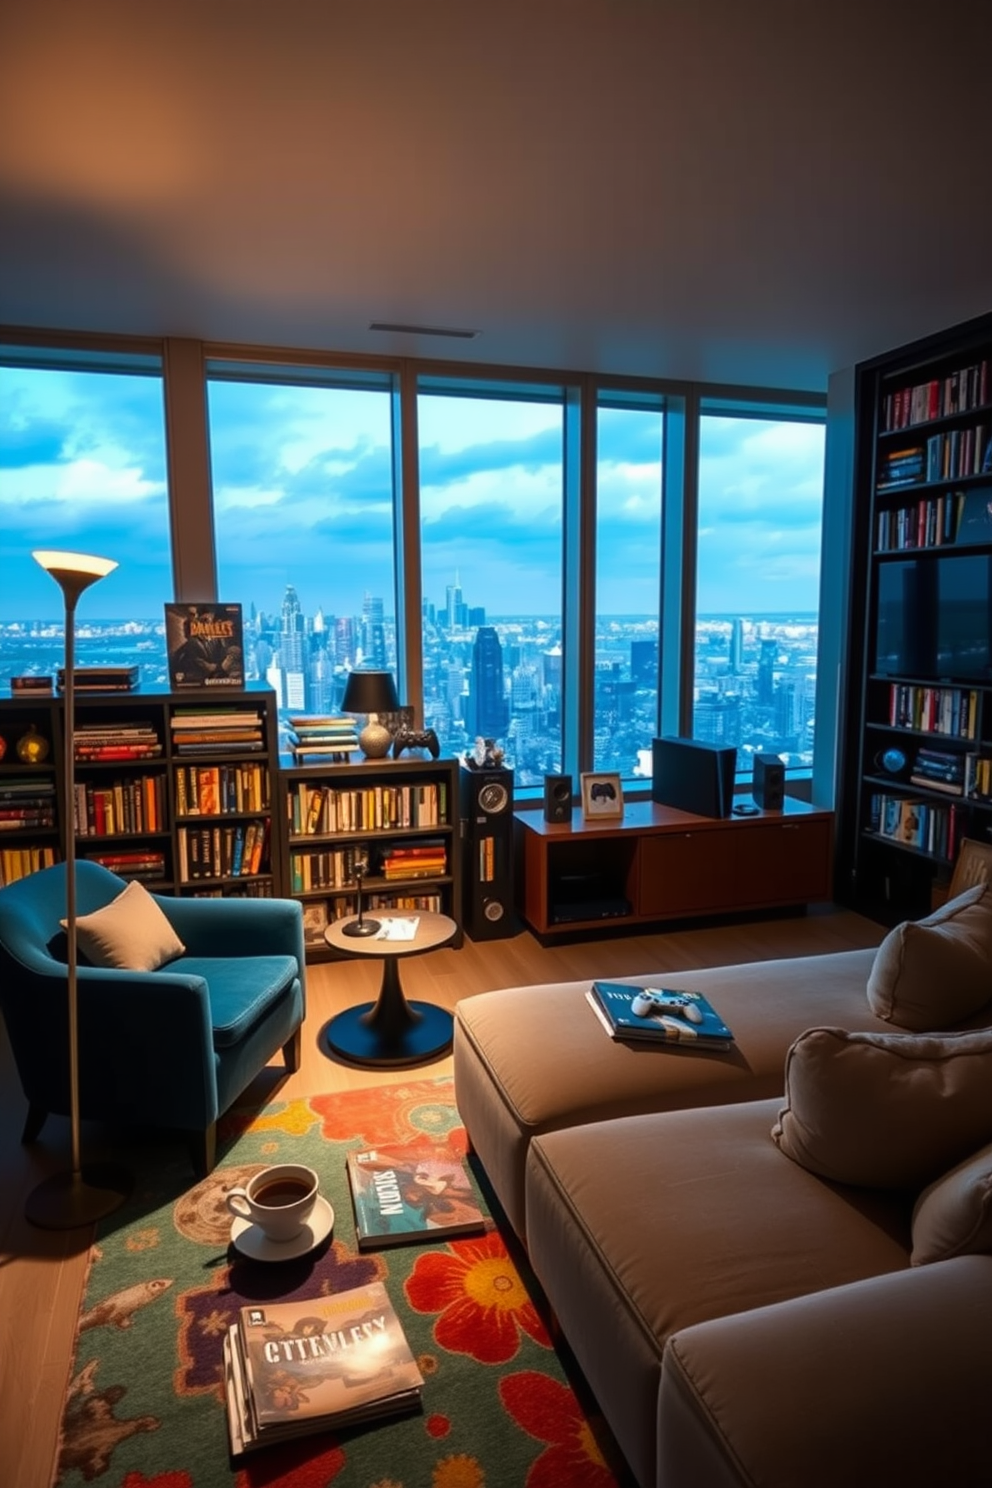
(422, 330)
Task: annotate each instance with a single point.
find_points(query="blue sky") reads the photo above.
(301, 487)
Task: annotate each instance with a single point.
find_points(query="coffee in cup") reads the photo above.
(279, 1200)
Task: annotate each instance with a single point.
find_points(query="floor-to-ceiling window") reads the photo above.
(757, 581)
(629, 453)
(304, 520)
(491, 506)
(83, 467)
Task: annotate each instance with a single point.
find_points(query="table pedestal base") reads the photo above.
(391, 1031)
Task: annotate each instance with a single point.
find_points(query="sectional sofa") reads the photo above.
(772, 1263)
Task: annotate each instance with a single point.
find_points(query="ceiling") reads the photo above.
(755, 193)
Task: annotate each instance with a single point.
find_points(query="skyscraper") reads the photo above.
(373, 632)
(292, 652)
(487, 702)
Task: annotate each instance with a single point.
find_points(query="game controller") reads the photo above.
(646, 1003)
(603, 790)
(416, 739)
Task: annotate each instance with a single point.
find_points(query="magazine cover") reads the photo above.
(612, 1002)
(205, 644)
(321, 1361)
(411, 1193)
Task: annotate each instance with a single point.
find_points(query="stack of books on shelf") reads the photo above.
(957, 453)
(147, 866)
(18, 862)
(216, 731)
(213, 790)
(919, 824)
(223, 852)
(102, 678)
(425, 860)
(26, 803)
(31, 685)
(902, 467)
(317, 1364)
(931, 522)
(94, 743)
(331, 869)
(613, 1004)
(331, 736)
(934, 710)
(937, 398)
(939, 770)
(322, 809)
(125, 806)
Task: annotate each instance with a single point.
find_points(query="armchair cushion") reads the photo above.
(130, 933)
(241, 991)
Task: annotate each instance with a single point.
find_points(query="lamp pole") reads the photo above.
(68, 1200)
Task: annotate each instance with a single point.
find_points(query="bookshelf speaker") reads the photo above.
(768, 782)
(557, 798)
(487, 852)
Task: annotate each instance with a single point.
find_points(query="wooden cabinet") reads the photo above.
(661, 864)
(918, 749)
(397, 816)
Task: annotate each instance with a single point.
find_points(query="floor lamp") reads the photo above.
(67, 1200)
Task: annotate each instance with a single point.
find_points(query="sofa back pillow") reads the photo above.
(931, 973)
(885, 1110)
(954, 1215)
(131, 933)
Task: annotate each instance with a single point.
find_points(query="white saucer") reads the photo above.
(253, 1242)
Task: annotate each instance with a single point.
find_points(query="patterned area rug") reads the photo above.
(502, 1406)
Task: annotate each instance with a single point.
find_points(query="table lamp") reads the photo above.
(67, 1200)
(371, 693)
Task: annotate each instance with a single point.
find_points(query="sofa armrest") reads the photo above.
(881, 1381)
(237, 927)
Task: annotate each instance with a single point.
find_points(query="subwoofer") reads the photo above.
(768, 782)
(557, 798)
(487, 852)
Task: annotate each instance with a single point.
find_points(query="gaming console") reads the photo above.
(407, 738)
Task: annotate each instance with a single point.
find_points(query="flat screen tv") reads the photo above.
(935, 618)
(693, 776)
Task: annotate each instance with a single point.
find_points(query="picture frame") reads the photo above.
(602, 794)
(205, 646)
(315, 921)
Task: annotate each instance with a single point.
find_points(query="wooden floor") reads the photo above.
(42, 1273)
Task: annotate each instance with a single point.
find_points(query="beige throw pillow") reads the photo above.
(954, 1215)
(929, 974)
(130, 933)
(886, 1110)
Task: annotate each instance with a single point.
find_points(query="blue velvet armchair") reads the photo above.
(173, 1047)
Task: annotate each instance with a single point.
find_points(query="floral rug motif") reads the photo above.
(502, 1405)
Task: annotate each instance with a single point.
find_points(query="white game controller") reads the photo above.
(646, 1003)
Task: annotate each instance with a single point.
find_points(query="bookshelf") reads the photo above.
(174, 789)
(919, 685)
(401, 814)
(30, 810)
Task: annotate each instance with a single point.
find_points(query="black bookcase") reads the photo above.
(918, 699)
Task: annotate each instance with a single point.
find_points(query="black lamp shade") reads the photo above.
(370, 692)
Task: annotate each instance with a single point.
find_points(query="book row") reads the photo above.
(939, 397)
(335, 868)
(125, 806)
(215, 790)
(323, 810)
(929, 828)
(929, 523)
(934, 710)
(223, 852)
(947, 456)
(967, 775)
(18, 862)
(148, 866)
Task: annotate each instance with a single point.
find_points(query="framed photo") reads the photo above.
(314, 921)
(205, 646)
(602, 795)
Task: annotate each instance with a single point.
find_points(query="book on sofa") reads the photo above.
(666, 1022)
(402, 1194)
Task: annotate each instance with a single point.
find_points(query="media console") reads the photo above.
(658, 863)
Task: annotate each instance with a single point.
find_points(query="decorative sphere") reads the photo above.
(374, 741)
(893, 760)
(32, 748)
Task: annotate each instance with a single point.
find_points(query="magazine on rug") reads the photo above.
(692, 1020)
(403, 1194)
(293, 1368)
(205, 646)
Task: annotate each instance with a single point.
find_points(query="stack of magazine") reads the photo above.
(295, 1368)
(612, 1003)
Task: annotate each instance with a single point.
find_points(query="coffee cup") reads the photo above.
(279, 1200)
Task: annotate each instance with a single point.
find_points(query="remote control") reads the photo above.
(646, 1003)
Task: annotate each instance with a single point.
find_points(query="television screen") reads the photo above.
(935, 618)
(693, 776)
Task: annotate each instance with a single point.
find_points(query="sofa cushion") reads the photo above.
(131, 933)
(954, 1215)
(892, 1110)
(241, 988)
(931, 973)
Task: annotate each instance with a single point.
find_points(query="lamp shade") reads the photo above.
(370, 692)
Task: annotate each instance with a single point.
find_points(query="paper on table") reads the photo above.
(399, 927)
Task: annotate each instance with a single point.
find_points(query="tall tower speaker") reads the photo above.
(768, 782)
(487, 852)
